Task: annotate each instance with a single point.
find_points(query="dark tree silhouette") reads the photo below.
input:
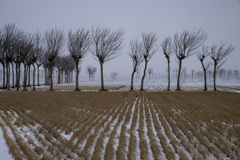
(9, 33)
(219, 54)
(78, 45)
(36, 54)
(136, 54)
(149, 43)
(25, 53)
(167, 50)
(202, 55)
(185, 45)
(54, 43)
(106, 46)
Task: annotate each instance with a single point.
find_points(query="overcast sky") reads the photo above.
(219, 18)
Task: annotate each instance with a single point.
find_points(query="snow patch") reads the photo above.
(4, 152)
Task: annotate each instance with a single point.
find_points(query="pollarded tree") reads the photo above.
(136, 54)
(78, 45)
(36, 54)
(24, 54)
(23, 39)
(167, 50)
(202, 55)
(185, 45)
(219, 54)
(150, 47)
(9, 37)
(54, 44)
(106, 46)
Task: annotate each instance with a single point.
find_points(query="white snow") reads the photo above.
(4, 152)
(67, 136)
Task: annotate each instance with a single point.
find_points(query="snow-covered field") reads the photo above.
(120, 125)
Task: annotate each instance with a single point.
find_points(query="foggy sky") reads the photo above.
(218, 18)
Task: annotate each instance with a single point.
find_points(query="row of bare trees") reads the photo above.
(20, 48)
(183, 45)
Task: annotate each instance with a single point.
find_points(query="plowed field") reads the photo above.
(121, 125)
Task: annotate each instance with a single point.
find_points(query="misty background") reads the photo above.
(218, 18)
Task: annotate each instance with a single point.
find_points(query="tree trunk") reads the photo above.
(168, 88)
(102, 82)
(51, 85)
(13, 85)
(16, 71)
(214, 76)
(29, 72)
(45, 75)
(76, 88)
(205, 80)
(179, 73)
(4, 74)
(8, 76)
(19, 75)
(59, 77)
(62, 76)
(205, 76)
(38, 75)
(34, 77)
(144, 73)
(134, 70)
(25, 78)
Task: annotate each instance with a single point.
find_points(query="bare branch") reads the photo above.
(188, 42)
(78, 43)
(149, 43)
(136, 53)
(167, 47)
(54, 43)
(106, 43)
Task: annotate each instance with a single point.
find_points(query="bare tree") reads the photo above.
(68, 67)
(219, 54)
(150, 47)
(114, 75)
(9, 37)
(150, 72)
(25, 53)
(36, 54)
(59, 64)
(54, 43)
(78, 45)
(106, 46)
(136, 54)
(90, 72)
(167, 50)
(94, 71)
(185, 45)
(205, 65)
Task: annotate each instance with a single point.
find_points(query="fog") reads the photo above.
(218, 18)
